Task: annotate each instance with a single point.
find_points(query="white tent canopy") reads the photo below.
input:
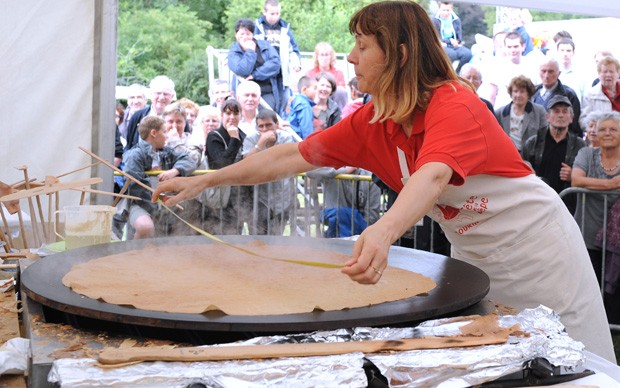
(58, 71)
(593, 8)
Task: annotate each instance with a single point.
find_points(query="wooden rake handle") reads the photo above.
(123, 173)
(112, 356)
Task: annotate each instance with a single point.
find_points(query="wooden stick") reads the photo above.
(6, 227)
(82, 197)
(218, 353)
(123, 190)
(53, 188)
(49, 218)
(14, 255)
(113, 167)
(77, 169)
(50, 180)
(57, 203)
(7, 247)
(22, 230)
(42, 218)
(21, 184)
(118, 195)
(33, 214)
(8, 266)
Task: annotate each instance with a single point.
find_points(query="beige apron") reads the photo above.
(519, 232)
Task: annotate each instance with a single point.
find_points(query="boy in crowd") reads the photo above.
(301, 116)
(151, 154)
(270, 27)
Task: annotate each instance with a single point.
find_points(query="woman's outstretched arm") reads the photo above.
(276, 163)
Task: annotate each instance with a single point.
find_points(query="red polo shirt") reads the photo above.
(457, 129)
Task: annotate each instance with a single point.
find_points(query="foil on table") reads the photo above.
(456, 367)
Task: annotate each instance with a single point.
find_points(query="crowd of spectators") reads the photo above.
(554, 111)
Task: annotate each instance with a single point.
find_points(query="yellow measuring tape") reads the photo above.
(212, 237)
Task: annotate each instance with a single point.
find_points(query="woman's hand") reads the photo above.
(415, 200)
(369, 255)
(183, 188)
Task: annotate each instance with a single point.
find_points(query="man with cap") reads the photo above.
(552, 151)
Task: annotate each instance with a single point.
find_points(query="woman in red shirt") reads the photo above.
(429, 137)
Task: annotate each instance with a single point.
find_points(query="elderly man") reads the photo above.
(552, 151)
(219, 91)
(136, 100)
(162, 94)
(552, 86)
(473, 75)
(248, 95)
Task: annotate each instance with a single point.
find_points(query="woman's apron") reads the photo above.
(519, 232)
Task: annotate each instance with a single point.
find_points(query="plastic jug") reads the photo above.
(86, 225)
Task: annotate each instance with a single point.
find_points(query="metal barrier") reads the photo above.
(294, 206)
(608, 198)
(306, 198)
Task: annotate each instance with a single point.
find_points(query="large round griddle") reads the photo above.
(459, 285)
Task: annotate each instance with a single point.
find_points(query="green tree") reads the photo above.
(154, 41)
(472, 19)
(311, 22)
(192, 80)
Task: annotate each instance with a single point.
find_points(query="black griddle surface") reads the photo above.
(459, 285)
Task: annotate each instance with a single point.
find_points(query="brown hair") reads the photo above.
(231, 105)
(189, 105)
(330, 78)
(404, 87)
(514, 35)
(522, 81)
(148, 124)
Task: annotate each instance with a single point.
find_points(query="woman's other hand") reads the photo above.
(370, 254)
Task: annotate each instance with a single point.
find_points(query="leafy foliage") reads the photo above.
(170, 36)
(472, 18)
(157, 41)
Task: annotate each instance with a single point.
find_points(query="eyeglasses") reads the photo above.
(166, 94)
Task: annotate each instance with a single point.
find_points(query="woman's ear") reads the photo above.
(403, 54)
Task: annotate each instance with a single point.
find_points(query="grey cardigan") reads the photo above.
(534, 119)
